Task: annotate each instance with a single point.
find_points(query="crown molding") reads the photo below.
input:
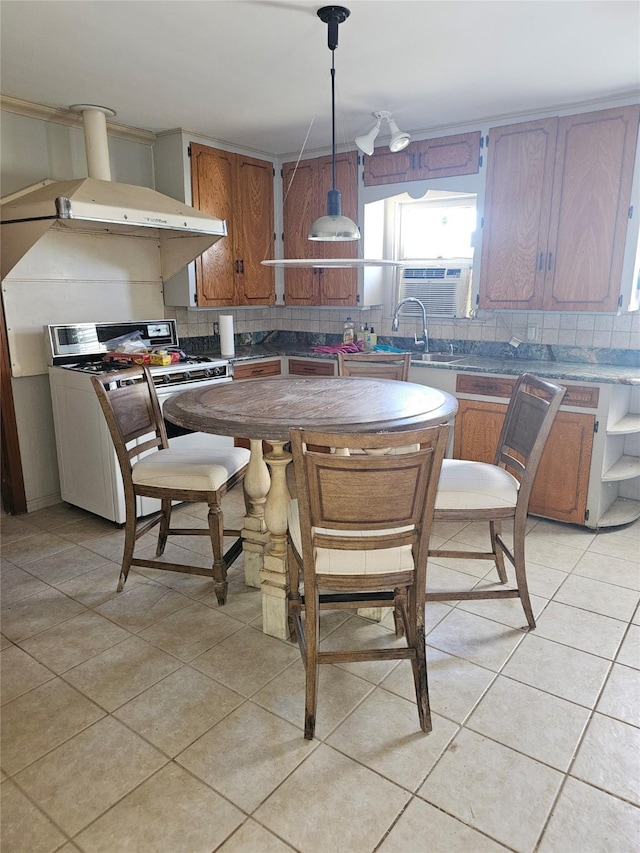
(71, 119)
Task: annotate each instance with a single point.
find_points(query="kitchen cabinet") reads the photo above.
(257, 369)
(443, 157)
(238, 189)
(312, 367)
(305, 186)
(556, 212)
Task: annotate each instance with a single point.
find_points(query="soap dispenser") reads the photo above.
(348, 332)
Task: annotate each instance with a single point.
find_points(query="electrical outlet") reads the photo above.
(532, 333)
(216, 328)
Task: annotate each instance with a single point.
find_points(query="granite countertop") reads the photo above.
(574, 371)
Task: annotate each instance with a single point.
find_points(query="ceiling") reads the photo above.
(256, 73)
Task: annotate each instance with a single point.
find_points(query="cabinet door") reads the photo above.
(589, 214)
(443, 157)
(299, 190)
(257, 369)
(560, 489)
(253, 232)
(212, 178)
(311, 367)
(387, 167)
(339, 286)
(516, 214)
(446, 156)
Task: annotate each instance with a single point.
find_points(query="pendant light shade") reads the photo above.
(334, 226)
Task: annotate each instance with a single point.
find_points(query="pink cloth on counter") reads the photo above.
(333, 348)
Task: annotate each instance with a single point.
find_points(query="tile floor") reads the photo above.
(156, 721)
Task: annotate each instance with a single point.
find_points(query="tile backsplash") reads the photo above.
(607, 331)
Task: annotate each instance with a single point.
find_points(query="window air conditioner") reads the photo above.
(444, 290)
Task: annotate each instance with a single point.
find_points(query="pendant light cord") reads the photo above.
(333, 120)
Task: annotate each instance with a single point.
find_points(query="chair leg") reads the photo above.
(399, 602)
(216, 532)
(295, 605)
(129, 545)
(165, 523)
(312, 636)
(520, 570)
(416, 640)
(495, 529)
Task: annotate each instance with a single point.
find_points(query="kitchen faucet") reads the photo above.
(394, 322)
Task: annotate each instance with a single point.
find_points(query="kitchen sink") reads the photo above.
(439, 356)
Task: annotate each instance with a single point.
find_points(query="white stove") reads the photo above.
(89, 472)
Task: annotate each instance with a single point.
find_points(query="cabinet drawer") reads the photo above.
(300, 367)
(257, 369)
(582, 396)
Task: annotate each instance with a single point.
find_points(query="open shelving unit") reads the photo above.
(621, 463)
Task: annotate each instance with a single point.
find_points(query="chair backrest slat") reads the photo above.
(357, 500)
(532, 409)
(375, 365)
(130, 405)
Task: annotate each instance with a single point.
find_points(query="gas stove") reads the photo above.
(82, 346)
(188, 369)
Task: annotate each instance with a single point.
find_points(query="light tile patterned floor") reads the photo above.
(156, 721)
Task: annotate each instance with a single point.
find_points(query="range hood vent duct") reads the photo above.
(96, 204)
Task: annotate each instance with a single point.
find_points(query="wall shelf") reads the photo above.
(627, 425)
(625, 468)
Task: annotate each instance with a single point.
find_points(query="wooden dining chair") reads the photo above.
(493, 492)
(151, 468)
(359, 535)
(375, 365)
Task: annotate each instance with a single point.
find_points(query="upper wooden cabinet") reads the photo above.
(304, 190)
(556, 211)
(429, 158)
(238, 189)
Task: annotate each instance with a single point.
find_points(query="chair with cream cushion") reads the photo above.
(493, 492)
(132, 411)
(359, 531)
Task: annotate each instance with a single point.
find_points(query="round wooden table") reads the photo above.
(265, 409)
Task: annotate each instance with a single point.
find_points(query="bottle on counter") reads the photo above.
(373, 338)
(348, 331)
(360, 334)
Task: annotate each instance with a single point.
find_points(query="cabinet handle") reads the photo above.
(540, 260)
(549, 257)
(420, 160)
(242, 266)
(236, 266)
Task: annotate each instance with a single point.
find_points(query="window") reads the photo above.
(441, 225)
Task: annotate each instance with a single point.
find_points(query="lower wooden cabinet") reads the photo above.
(311, 367)
(561, 485)
(257, 369)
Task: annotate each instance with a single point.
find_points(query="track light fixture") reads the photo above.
(399, 138)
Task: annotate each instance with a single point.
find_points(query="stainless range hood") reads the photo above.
(98, 205)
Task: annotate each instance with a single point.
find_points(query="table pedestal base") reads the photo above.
(255, 536)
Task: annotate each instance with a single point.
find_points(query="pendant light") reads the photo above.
(334, 226)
